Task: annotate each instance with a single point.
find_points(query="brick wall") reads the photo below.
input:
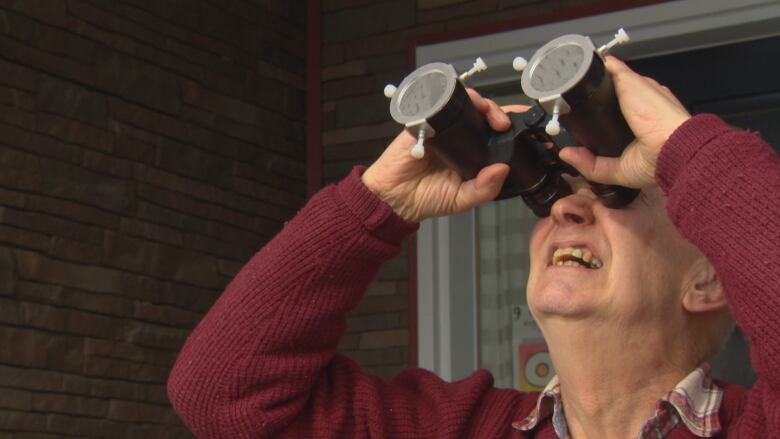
(365, 46)
(147, 149)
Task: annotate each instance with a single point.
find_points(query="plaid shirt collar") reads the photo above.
(695, 402)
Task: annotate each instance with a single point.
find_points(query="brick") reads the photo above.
(160, 260)
(16, 399)
(6, 270)
(71, 100)
(394, 269)
(107, 164)
(43, 223)
(38, 144)
(99, 367)
(40, 268)
(71, 250)
(12, 198)
(385, 130)
(41, 350)
(167, 315)
(346, 70)
(127, 351)
(73, 131)
(349, 342)
(379, 304)
(455, 10)
(154, 232)
(135, 150)
(138, 82)
(88, 187)
(156, 336)
(127, 411)
(67, 404)
(371, 149)
(195, 94)
(382, 289)
(17, 76)
(14, 97)
(27, 55)
(376, 357)
(386, 372)
(189, 297)
(21, 421)
(366, 20)
(24, 238)
(17, 116)
(65, 297)
(72, 210)
(431, 4)
(373, 322)
(384, 339)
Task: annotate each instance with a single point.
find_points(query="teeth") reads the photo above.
(587, 256)
(583, 254)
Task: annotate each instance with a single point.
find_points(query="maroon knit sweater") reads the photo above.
(263, 362)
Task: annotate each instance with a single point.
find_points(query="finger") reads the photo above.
(515, 108)
(479, 102)
(496, 117)
(597, 169)
(481, 189)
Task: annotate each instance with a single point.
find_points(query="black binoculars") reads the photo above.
(572, 88)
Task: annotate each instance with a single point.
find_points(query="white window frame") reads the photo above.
(447, 266)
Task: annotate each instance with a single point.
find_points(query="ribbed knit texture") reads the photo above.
(263, 362)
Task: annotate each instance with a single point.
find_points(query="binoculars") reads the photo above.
(572, 90)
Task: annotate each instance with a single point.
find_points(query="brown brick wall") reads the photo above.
(147, 149)
(364, 47)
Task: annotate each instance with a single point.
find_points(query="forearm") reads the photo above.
(253, 360)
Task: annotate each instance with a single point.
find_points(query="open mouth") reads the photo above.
(576, 257)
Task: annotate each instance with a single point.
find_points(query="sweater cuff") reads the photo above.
(683, 145)
(376, 215)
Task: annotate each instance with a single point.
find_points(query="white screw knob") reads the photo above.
(620, 37)
(479, 66)
(390, 90)
(418, 150)
(553, 127)
(519, 64)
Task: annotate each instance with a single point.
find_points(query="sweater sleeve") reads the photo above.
(263, 362)
(723, 189)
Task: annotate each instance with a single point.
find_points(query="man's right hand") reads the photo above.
(423, 188)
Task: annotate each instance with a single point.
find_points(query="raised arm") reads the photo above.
(723, 194)
(263, 361)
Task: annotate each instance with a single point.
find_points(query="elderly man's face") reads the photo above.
(613, 265)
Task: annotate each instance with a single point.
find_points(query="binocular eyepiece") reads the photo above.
(572, 88)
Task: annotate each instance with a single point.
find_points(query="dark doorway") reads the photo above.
(738, 82)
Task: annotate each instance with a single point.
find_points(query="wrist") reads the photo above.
(399, 208)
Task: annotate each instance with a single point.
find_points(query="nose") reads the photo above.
(575, 209)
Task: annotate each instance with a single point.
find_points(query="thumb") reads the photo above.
(594, 168)
(483, 188)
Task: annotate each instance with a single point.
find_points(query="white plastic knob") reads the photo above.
(519, 64)
(621, 36)
(390, 90)
(479, 65)
(553, 127)
(418, 151)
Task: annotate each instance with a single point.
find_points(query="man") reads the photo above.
(629, 320)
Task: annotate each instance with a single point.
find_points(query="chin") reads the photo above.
(560, 299)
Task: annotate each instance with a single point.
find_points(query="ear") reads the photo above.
(704, 292)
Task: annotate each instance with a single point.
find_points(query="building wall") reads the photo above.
(365, 45)
(147, 149)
